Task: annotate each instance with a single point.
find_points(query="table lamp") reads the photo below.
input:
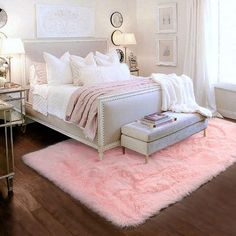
(127, 39)
(11, 47)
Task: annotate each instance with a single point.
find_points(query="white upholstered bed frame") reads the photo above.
(113, 112)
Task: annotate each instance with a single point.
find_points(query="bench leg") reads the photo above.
(146, 159)
(123, 150)
(205, 132)
(100, 154)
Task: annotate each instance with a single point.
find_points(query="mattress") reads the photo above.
(52, 99)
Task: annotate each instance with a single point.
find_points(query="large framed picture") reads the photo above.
(167, 18)
(62, 21)
(167, 50)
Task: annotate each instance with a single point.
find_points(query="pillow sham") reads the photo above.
(111, 58)
(58, 69)
(78, 64)
(89, 75)
(38, 73)
(87, 61)
(119, 72)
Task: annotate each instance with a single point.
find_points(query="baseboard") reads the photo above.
(227, 113)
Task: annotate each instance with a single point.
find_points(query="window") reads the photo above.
(227, 41)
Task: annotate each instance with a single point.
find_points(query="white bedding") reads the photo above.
(52, 99)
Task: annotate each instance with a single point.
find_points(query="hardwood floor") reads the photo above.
(38, 207)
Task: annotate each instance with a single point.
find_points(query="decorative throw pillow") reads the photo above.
(58, 69)
(80, 66)
(111, 58)
(38, 73)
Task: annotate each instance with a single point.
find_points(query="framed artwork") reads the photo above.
(121, 54)
(3, 18)
(61, 21)
(116, 19)
(167, 18)
(115, 36)
(133, 64)
(167, 51)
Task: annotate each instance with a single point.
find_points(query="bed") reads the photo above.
(113, 111)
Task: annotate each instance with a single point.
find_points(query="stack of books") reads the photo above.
(157, 119)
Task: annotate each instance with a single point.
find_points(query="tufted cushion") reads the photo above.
(142, 132)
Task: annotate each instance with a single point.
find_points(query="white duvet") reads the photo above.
(52, 99)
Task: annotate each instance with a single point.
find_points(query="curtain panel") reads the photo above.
(201, 55)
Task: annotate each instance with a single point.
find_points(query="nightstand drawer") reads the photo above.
(134, 71)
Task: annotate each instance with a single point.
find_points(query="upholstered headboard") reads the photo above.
(34, 50)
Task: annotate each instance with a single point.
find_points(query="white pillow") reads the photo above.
(111, 58)
(87, 61)
(79, 63)
(58, 69)
(119, 72)
(89, 75)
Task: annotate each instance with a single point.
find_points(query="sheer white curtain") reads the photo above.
(201, 54)
(227, 41)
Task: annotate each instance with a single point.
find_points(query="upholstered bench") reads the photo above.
(145, 140)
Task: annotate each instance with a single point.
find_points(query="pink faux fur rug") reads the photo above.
(126, 191)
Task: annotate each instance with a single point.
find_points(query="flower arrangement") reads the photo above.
(3, 67)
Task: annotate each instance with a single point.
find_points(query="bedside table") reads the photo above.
(15, 96)
(7, 173)
(134, 71)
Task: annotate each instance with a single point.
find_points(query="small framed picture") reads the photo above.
(133, 64)
(116, 19)
(121, 54)
(167, 18)
(167, 50)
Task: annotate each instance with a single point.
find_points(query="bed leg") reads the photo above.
(146, 159)
(205, 132)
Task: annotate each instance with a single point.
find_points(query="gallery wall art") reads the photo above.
(167, 52)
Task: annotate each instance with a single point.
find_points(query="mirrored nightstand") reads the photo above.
(7, 165)
(15, 96)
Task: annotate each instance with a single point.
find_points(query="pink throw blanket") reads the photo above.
(82, 109)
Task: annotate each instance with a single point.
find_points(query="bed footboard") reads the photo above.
(118, 110)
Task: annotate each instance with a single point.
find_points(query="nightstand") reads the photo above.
(15, 96)
(134, 71)
(7, 172)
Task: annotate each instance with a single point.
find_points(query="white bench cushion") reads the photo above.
(142, 132)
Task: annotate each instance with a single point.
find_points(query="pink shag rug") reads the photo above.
(126, 191)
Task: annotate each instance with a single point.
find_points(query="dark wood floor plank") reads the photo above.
(70, 211)
(51, 224)
(30, 223)
(40, 208)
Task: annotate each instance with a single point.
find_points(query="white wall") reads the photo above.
(22, 23)
(147, 36)
(140, 17)
(21, 15)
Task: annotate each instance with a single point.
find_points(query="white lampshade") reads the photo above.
(11, 46)
(127, 39)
